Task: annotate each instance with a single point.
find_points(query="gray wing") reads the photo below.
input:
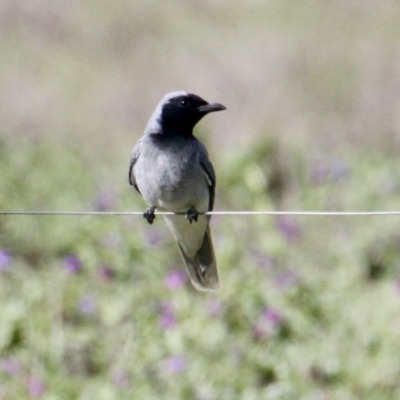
(134, 157)
(209, 173)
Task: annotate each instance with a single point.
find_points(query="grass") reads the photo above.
(99, 307)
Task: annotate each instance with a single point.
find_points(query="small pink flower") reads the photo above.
(175, 279)
(271, 315)
(167, 317)
(35, 386)
(397, 286)
(269, 322)
(175, 364)
(10, 366)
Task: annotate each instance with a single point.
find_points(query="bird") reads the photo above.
(171, 170)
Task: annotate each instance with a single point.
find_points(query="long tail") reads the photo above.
(203, 268)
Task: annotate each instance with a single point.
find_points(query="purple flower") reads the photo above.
(398, 286)
(72, 264)
(5, 259)
(10, 366)
(213, 307)
(269, 322)
(288, 228)
(264, 261)
(153, 238)
(105, 201)
(167, 317)
(286, 280)
(106, 273)
(35, 386)
(87, 304)
(271, 316)
(174, 364)
(175, 279)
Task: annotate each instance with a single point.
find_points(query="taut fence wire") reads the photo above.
(248, 213)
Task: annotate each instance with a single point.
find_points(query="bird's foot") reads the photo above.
(149, 214)
(192, 214)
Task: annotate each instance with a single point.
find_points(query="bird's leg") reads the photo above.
(192, 214)
(149, 214)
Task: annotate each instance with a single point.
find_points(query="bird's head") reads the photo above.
(179, 112)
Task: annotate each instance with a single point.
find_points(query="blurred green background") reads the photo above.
(100, 307)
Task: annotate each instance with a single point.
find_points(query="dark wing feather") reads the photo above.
(134, 157)
(208, 168)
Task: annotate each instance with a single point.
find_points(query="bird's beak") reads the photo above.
(211, 108)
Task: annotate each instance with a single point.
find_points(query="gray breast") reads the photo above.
(170, 177)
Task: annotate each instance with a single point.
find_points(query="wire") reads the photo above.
(111, 213)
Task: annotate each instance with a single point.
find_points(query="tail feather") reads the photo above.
(203, 268)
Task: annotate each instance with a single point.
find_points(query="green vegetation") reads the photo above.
(101, 307)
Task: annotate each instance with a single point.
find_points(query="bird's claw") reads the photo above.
(192, 215)
(149, 214)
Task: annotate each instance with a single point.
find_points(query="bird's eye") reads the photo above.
(184, 103)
